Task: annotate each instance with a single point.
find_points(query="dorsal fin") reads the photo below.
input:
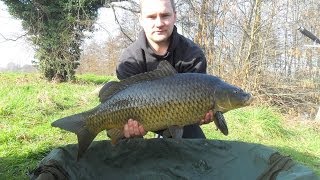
(108, 90)
(165, 65)
(164, 69)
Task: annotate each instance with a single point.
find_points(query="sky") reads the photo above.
(22, 52)
(19, 51)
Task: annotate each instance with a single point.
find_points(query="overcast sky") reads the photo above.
(21, 51)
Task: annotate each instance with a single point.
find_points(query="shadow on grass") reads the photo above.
(303, 158)
(17, 167)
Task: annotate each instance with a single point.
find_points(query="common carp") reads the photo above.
(158, 100)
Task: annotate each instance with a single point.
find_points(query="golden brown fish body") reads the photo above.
(155, 104)
(158, 100)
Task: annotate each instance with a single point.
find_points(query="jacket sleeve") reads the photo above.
(194, 62)
(128, 65)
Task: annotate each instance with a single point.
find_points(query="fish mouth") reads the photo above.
(248, 100)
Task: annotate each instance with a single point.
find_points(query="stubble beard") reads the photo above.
(163, 38)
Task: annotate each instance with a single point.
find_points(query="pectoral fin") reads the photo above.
(221, 122)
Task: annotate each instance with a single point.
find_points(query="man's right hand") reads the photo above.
(133, 129)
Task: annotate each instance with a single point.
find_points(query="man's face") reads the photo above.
(157, 19)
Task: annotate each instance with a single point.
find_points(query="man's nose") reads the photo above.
(159, 21)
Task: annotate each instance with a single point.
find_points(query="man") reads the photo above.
(159, 41)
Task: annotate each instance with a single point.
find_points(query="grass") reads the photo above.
(28, 105)
(92, 78)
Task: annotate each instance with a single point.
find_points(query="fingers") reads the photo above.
(133, 129)
(201, 121)
(126, 130)
(207, 118)
(142, 131)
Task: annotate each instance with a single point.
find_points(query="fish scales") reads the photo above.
(159, 99)
(155, 102)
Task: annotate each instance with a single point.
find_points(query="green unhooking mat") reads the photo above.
(170, 159)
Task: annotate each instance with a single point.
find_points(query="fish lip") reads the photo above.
(248, 100)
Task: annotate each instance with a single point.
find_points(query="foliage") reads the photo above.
(28, 105)
(56, 29)
(102, 58)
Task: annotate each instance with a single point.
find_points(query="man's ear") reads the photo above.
(175, 16)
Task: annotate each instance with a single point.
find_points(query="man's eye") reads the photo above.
(151, 17)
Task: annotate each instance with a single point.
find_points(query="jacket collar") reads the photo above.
(146, 47)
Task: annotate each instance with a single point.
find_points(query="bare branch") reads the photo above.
(12, 39)
(116, 18)
(126, 8)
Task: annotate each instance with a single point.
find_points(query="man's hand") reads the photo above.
(133, 129)
(207, 118)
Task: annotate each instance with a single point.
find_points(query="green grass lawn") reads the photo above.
(28, 105)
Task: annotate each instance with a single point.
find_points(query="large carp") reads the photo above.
(159, 99)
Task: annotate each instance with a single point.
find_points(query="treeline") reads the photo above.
(12, 67)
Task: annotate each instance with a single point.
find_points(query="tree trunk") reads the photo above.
(252, 58)
(318, 115)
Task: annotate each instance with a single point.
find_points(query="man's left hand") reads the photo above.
(207, 118)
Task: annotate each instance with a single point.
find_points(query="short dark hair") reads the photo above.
(171, 1)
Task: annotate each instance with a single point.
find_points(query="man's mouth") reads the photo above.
(159, 32)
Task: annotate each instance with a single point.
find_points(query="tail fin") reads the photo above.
(76, 124)
(73, 123)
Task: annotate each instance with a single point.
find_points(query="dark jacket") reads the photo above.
(183, 54)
